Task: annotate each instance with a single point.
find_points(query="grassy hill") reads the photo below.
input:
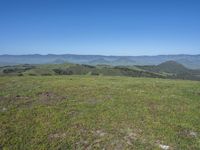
(169, 69)
(97, 112)
(75, 69)
(173, 70)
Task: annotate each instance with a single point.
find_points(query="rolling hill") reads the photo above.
(173, 70)
(190, 61)
(169, 69)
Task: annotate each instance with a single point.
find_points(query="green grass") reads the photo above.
(96, 112)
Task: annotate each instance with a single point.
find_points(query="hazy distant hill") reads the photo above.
(172, 67)
(173, 70)
(124, 61)
(190, 61)
(99, 61)
(168, 67)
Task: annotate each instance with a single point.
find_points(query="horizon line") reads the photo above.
(99, 55)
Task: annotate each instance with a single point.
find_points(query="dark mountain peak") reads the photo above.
(171, 63)
(172, 67)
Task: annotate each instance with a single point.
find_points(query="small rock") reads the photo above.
(129, 142)
(4, 109)
(102, 134)
(193, 134)
(85, 142)
(57, 135)
(164, 147)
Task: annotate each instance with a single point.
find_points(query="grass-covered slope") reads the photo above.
(169, 69)
(173, 70)
(75, 69)
(96, 112)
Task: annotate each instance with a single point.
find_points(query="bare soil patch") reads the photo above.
(50, 98)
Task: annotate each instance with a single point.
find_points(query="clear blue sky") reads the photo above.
(107, 27)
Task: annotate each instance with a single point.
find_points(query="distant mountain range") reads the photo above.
(189, 61)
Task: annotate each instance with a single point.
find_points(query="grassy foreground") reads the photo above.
(94, 112)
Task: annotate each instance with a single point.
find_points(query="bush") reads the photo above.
(95, 73)
(32, 74)
(63, 72)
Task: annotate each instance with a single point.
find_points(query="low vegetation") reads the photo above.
(167, 70)
(98, 112)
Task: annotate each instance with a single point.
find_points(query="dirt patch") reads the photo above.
(50, 98)
(94, 101)
(47, 95)
(183, 132)
(99, 133)
(117, 145)
(187, 133)
(96, 142)
(57, 136)
(153, 108)
(72, 113)
(14, 100)
(82, 144)
(130, 136)
(19, 97)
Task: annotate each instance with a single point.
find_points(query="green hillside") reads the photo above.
(169, 69)
(75, 69)
(96, 112)
(173, 70)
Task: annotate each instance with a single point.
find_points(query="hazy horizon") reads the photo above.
(97, 54)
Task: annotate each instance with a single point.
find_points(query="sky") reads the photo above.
(105, 27)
